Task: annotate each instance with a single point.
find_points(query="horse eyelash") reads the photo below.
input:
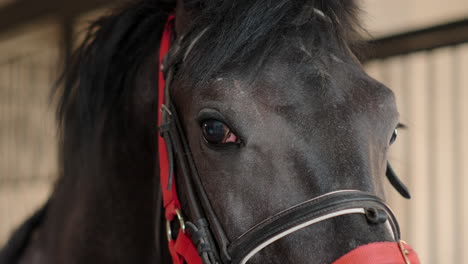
(401, 126)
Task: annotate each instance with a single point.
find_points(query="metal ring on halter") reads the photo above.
(181, 224)
(166, 109)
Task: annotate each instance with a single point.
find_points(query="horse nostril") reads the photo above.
(376, 216)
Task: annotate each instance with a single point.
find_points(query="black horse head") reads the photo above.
(275, 109)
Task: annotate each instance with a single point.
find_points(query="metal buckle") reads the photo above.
(166, 109)
(404, 251)
(181, 224)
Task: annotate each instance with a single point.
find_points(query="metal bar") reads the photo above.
(407, 150)
(419, 40)
(457, 161)
(432, 162)
(27, 11)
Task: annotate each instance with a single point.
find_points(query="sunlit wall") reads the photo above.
(431, 154)
(29, 59)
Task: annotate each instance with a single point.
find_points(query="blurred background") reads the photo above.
(419, 49)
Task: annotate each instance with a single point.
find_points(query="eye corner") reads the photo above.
(394, 136)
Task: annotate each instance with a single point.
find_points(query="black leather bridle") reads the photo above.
(205, 229)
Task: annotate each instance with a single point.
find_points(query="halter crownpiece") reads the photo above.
(202, 239)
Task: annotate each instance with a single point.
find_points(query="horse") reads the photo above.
(220, 132)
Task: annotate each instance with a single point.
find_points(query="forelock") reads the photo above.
(234, 32)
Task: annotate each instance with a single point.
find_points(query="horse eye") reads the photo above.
(216, 132)
(394, 136)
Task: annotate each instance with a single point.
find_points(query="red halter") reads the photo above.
(182, 248)
(381, 253)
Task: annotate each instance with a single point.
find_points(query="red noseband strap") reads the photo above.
(381, 253)
(182, 249)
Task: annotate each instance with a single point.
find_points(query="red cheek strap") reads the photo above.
(381, 253)
(182, 249)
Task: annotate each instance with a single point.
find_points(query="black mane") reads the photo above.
(103, 70)
(107, 114)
